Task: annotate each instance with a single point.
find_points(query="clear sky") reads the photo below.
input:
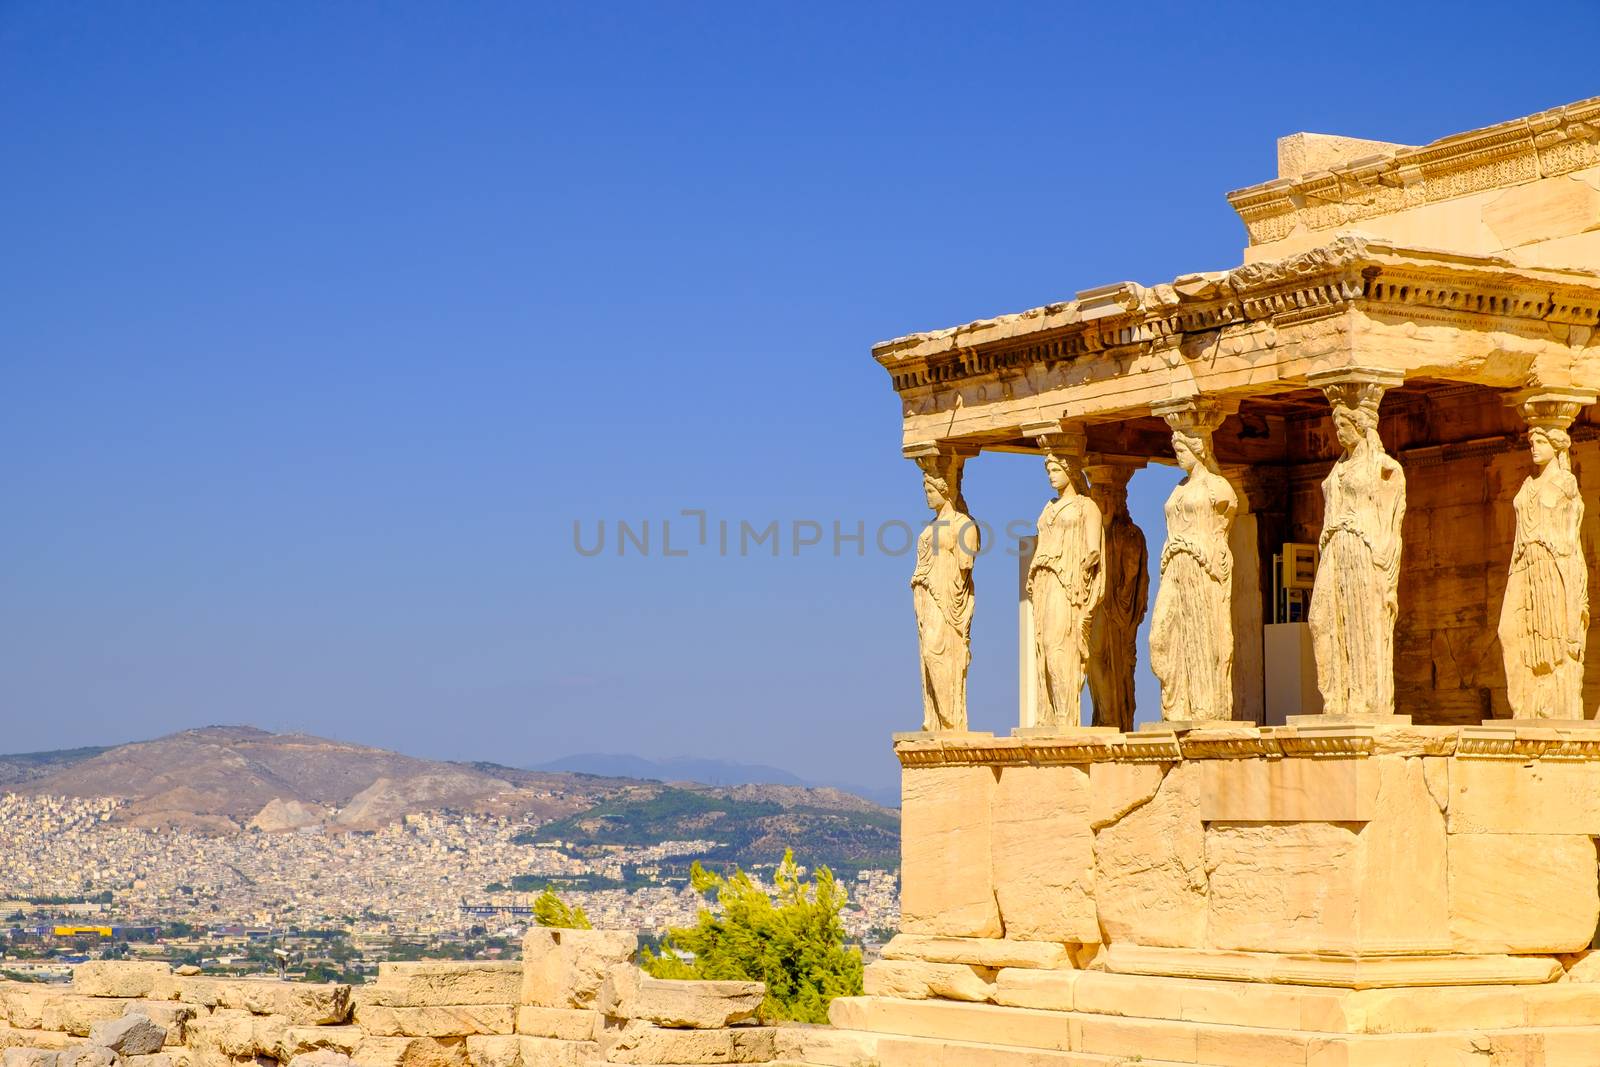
(323, 323)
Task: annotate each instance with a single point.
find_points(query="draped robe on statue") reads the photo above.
(1191, 630)
(941, 592)
(1355, 598)
(1065, 584)
(1114, 634)
(1544, 619)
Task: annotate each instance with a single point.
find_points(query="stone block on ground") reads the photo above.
(1021, 987)
(639, 1042)
(411, 1052)
(173, 1016)
(297, 1040)
(301, 1003)
(74, 1014)
(156, 1059)
(978, 951)
(27, 1057)
(915, 980)
(824, 1046)
(118, 978)
(24, 1004)
(407, 984)
(129, 1035)
(562, 1024)
(52, 1040)
(236, 1032)
(320, 1058)
(443, 1020)
(529, 1051)
(567, 968)
(696, 1005)
(85, 1056)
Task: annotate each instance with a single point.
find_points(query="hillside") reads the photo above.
(225, 779)
(222, 777)
(750, 824)
(27, 766)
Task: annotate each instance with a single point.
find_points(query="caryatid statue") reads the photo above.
(1191, 630)
(1355, 599)
(1544, 619)
(941, 592)
(1114, 634)
(1066, 581)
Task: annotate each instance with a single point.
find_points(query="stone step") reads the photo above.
(1212, 1044)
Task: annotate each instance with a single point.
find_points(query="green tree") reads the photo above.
(793, 941)
(551, 910)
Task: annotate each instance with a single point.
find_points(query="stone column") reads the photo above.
(1544, 619)
(1191, 628)
(1248, 605)
(1066, 580)
(1113, 636)
(1355, 600)
(942, 589)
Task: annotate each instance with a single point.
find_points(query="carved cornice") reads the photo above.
(1545, 145)
(1496, 742)
(1473, 292)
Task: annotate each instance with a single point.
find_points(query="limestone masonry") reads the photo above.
(1363, 832)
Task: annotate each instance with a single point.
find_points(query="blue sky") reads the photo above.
(324, 323)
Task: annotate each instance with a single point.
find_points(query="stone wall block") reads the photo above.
(1042, 854)
(916, 980)
(1401, 878)
(129, 1035)
(1282, 887)
(1288, 790)
(561, 1024)
(410, 984)
(1522, 893)
(946, 862)
(567, 968)
(75, 1014)
(172, 1016)
(440, 1020)
(1150, 875)
(413, 1052)
(1115, 789)
(694, 1005)
(1493, 796)
(978, 951)
(117, 978)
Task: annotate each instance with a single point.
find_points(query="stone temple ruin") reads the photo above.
(1363, 831)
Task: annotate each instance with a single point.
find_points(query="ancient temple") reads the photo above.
(1363, 830)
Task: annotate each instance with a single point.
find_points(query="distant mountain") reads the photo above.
(677, 769)
(706, 772)
(226, 779)
(222, 778)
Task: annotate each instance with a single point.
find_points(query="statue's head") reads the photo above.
(1549, 443)
(1192, 447)
(1065, 471)
(941, 480)
(1355, 413)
